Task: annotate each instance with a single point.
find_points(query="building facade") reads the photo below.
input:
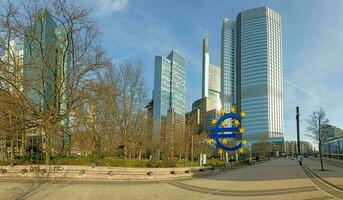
(291, 148)
(333, 145)
(261, 72)
(12, 72)
(47, 70)
(252, 71)
(228, 63)
(210, 80)
(169, 96)
(210, 101)
(214, 88)
(40, 63)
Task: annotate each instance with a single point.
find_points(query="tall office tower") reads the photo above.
(252, 72)
(62, 78)
(228, 63)
(169, 97)
(210, 80)
(40, 61)
(214, 88)
(205, 67)
(210, 101)
(47, 63)
(259, 53)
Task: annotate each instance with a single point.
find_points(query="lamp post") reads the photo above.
(298, 131)
(201, 156)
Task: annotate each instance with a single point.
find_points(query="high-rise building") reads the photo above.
(210, 80)
(205, 67)
(228, 63)
(169, 97)
(62, 78)
(47, 73)
(252, 71)
(209, 105)
(40, 61)
(261, 72)
(214, 88)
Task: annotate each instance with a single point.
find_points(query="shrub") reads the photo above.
(153, 164)
(34, 158)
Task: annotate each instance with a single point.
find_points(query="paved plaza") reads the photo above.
(276, 179)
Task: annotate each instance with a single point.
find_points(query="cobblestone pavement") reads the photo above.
(277, 179)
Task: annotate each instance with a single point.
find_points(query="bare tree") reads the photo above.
(316, 129)
(114, 114)
(263, 147)
(132, 98)
(60, 52)
(95, 119)
(11, 126)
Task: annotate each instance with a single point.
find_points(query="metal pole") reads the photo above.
(192, 151)
(201, 157)
(298, 132)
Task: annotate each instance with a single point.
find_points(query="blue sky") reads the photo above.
(312, 44)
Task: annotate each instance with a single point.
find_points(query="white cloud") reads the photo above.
(303, 90)
(112, 5)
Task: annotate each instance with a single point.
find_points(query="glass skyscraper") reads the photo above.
(214, 88)
(253, 41)
(47, 61)
(169, 95)
(210, 80)
(40, 60)
(227, 60)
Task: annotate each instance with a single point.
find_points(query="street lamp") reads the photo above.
(203, 141)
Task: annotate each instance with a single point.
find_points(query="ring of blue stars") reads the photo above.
(220, 132)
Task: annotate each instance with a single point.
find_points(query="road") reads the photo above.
(276, 179)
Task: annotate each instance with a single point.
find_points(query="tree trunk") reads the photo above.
(192, 150)
(47, 154)
(47, 141)
(320, 155)
(12, 149)
(140, 153)
(180, 155)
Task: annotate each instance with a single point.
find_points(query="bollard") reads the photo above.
(82, 172)
(110, 173)
(2, 171)
(150, 173)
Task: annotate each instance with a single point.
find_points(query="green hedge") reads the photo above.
(102, 160)
(98, 160)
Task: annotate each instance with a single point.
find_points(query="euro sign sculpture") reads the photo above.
(221, 132)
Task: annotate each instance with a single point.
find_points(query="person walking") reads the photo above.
(300, 159)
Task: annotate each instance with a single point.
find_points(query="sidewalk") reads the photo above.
(281, 179)
(333, 173)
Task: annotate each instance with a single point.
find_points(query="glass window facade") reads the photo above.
(214, 88)
(252, 71)
(228, 62)
(169, 90)
(261, 73)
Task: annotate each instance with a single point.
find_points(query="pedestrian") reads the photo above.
(300, 159)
